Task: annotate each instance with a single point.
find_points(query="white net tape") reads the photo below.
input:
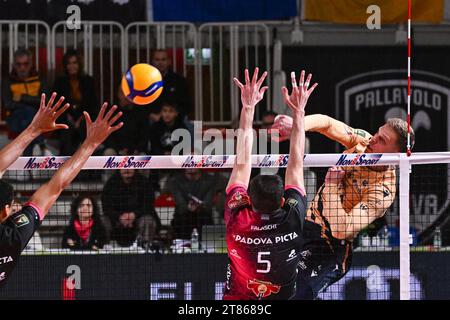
(227, 161)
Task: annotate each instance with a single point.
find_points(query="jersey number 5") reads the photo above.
(265, 262)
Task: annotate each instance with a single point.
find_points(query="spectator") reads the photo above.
(161, 132)
(127, 201)
(133, 137)
(79, 90)
(175, 85)
(22, 94)
(193, 191)
(85, 230)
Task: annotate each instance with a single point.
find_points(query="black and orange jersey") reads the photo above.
(365, 192)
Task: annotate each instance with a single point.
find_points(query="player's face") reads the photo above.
(161, 61)
(168, 114)
(22, 65)
(85, 209)
(384, 141)
(72, 66)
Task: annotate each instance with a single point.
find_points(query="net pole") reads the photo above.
(408, 146)
(404, 228)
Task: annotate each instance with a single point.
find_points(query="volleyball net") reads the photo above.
(151, 227)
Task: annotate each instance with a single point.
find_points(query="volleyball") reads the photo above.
(142, 84)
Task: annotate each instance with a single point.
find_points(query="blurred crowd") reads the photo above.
(128, 197)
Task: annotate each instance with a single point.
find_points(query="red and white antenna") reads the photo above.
(408, 146)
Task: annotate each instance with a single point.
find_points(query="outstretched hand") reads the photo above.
(45, 118)
(102, 127)
(299, 97)
(251, 92)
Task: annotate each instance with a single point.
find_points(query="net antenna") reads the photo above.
(408, 146)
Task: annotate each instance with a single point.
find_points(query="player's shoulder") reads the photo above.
(29, 213)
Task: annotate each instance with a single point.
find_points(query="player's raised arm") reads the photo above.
(325, 125)
(97, 132)
(297, 101)
(251, 94)
(43, 121)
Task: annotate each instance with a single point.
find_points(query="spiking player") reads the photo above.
(264, 220)
(350, 199)
(18, 228)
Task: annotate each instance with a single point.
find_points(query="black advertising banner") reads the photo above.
(363, 86)
(373, 276)
(53, 11)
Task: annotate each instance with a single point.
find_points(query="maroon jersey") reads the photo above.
(263, 249)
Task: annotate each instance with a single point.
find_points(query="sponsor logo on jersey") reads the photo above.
(127, 162)
(264, 228)
(302, 265)
(292, 202)
(262, 289)
(292, 255)
(21, 220)
(306, 254)
(263, 241)
(238, 200)
(6, 259)
(234, 253)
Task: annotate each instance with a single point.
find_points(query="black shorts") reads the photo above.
(322, 263)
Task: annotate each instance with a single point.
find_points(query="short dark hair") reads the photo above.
(400, 126)
(6, 193)
(22, 52)
(73, 53)
(265, 192)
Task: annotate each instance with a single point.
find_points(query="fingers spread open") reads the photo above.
(312, 88)
(293, 80)
(58, 104)
(238, 83)
(302, 78)
(263, 77)
(101, 114)
(110, 112)
(115, 118)
(247, 78)
(52, 98)
(42, 105)
(62, 110)
(117, 127)
(87, 117)
(308, 80)
(255, 76)
(263, 89)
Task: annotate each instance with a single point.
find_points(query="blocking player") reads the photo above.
(350, 199)
(16, 229)
(264, 219)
